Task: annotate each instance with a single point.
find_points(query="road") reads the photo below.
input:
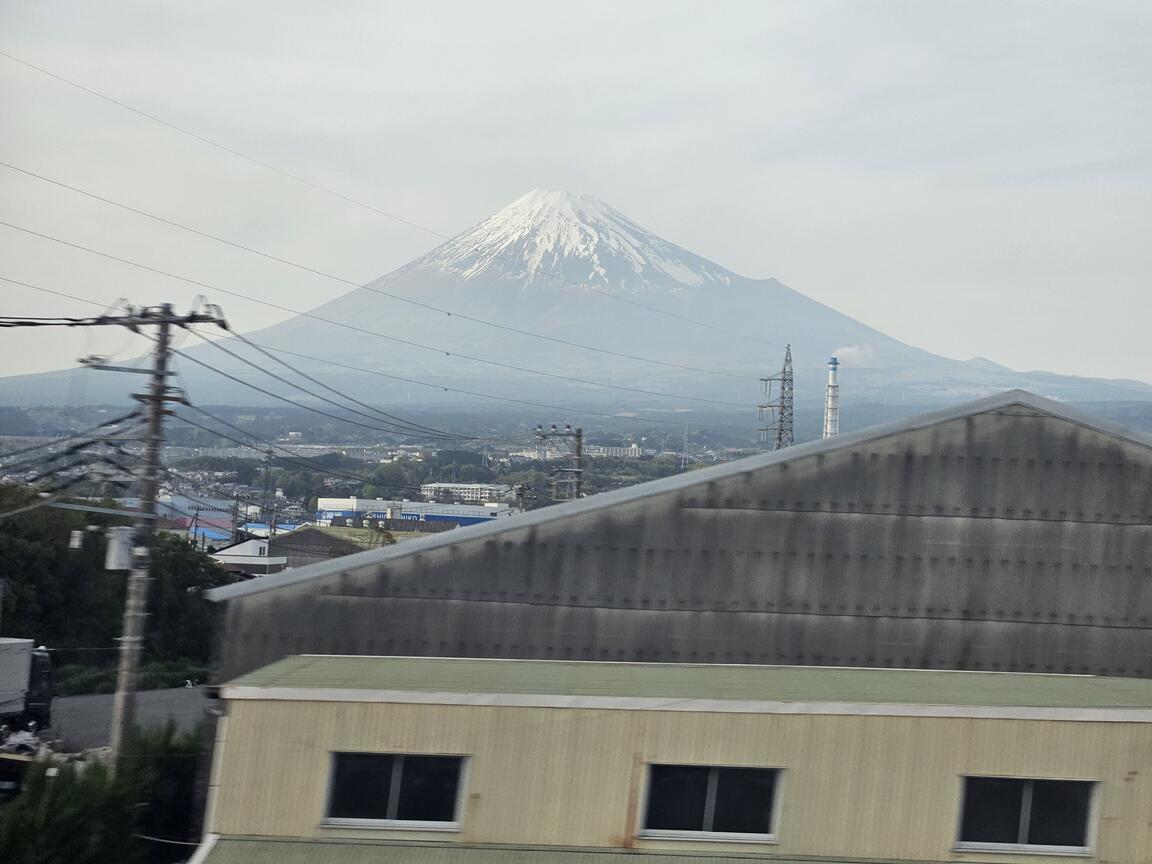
(86, 721)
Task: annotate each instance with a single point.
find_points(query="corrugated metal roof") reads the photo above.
(641, 491)
(694, 681)
(263, 850)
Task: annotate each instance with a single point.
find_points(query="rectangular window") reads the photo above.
(1010, 813)
(383, 788)
(730, 803)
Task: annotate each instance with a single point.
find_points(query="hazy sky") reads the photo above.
(971, 177)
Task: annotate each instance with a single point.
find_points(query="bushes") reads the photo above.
(79, 813)
(173, 673)
(77, 680)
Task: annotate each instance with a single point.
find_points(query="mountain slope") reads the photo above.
(575, 270)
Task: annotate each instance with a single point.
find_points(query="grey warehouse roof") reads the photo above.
(639, 492)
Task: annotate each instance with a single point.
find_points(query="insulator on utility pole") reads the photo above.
(118, 553)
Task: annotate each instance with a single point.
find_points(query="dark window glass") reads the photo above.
(676, 797)
(1036, 812)
(744, 800)
(387, 786)
(992, 810)
(700, 798)
(360, 786)
(428, 788)
(1059, 813)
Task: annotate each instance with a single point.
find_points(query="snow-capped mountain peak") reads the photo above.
(549, 238)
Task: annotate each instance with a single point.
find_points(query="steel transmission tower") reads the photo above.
(572, 477)
(776, 410)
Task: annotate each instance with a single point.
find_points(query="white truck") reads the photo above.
(25, 684)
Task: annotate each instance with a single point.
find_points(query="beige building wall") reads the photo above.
(852, 786)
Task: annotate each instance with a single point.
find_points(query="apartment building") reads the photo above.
(403, 759)
(465, 493)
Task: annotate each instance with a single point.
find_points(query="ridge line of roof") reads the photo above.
(600, 664)
(687, 479)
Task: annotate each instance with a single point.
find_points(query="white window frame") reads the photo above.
(394, 796)
(1086, 851)
(710, 836)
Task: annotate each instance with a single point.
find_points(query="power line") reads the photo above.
(52, 495)
(203, 485)
(415, 430)
(370, 286)
(287, 400)
(568, 409)
(50, 291)
(114, 422)
(347, 198)
(31, 461)
(264, 445)
(376, 333)
(418, 426)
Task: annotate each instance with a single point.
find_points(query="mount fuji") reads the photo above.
(565, 284)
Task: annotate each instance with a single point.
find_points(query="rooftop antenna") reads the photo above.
(832, 401)
(777, 410)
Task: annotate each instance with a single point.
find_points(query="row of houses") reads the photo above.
(924, 642)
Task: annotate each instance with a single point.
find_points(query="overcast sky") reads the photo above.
(971, 177)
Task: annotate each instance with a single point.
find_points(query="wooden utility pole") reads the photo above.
(136, 602)
(162, 317)
(155, 398)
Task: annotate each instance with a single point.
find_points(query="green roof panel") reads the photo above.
(701, 681)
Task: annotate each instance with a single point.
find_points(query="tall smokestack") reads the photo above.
(832, 401)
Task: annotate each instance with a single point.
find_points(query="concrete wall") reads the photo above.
(857, 787)
(1010, 539)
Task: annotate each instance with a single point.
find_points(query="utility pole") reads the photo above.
(136, 602)
(155, 398)
(777, 411)
(267, 506)
(573, 476)
(578, 464)
(158, 394)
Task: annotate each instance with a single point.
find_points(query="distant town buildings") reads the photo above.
(545, 453)
(350, 510)
(250, 558)
(465, 493)
(632, 451)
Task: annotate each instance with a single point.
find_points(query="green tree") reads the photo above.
(81, 814)
(180, 626)
(75, 812)
(64, 598)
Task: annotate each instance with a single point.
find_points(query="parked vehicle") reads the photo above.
(25, 685)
